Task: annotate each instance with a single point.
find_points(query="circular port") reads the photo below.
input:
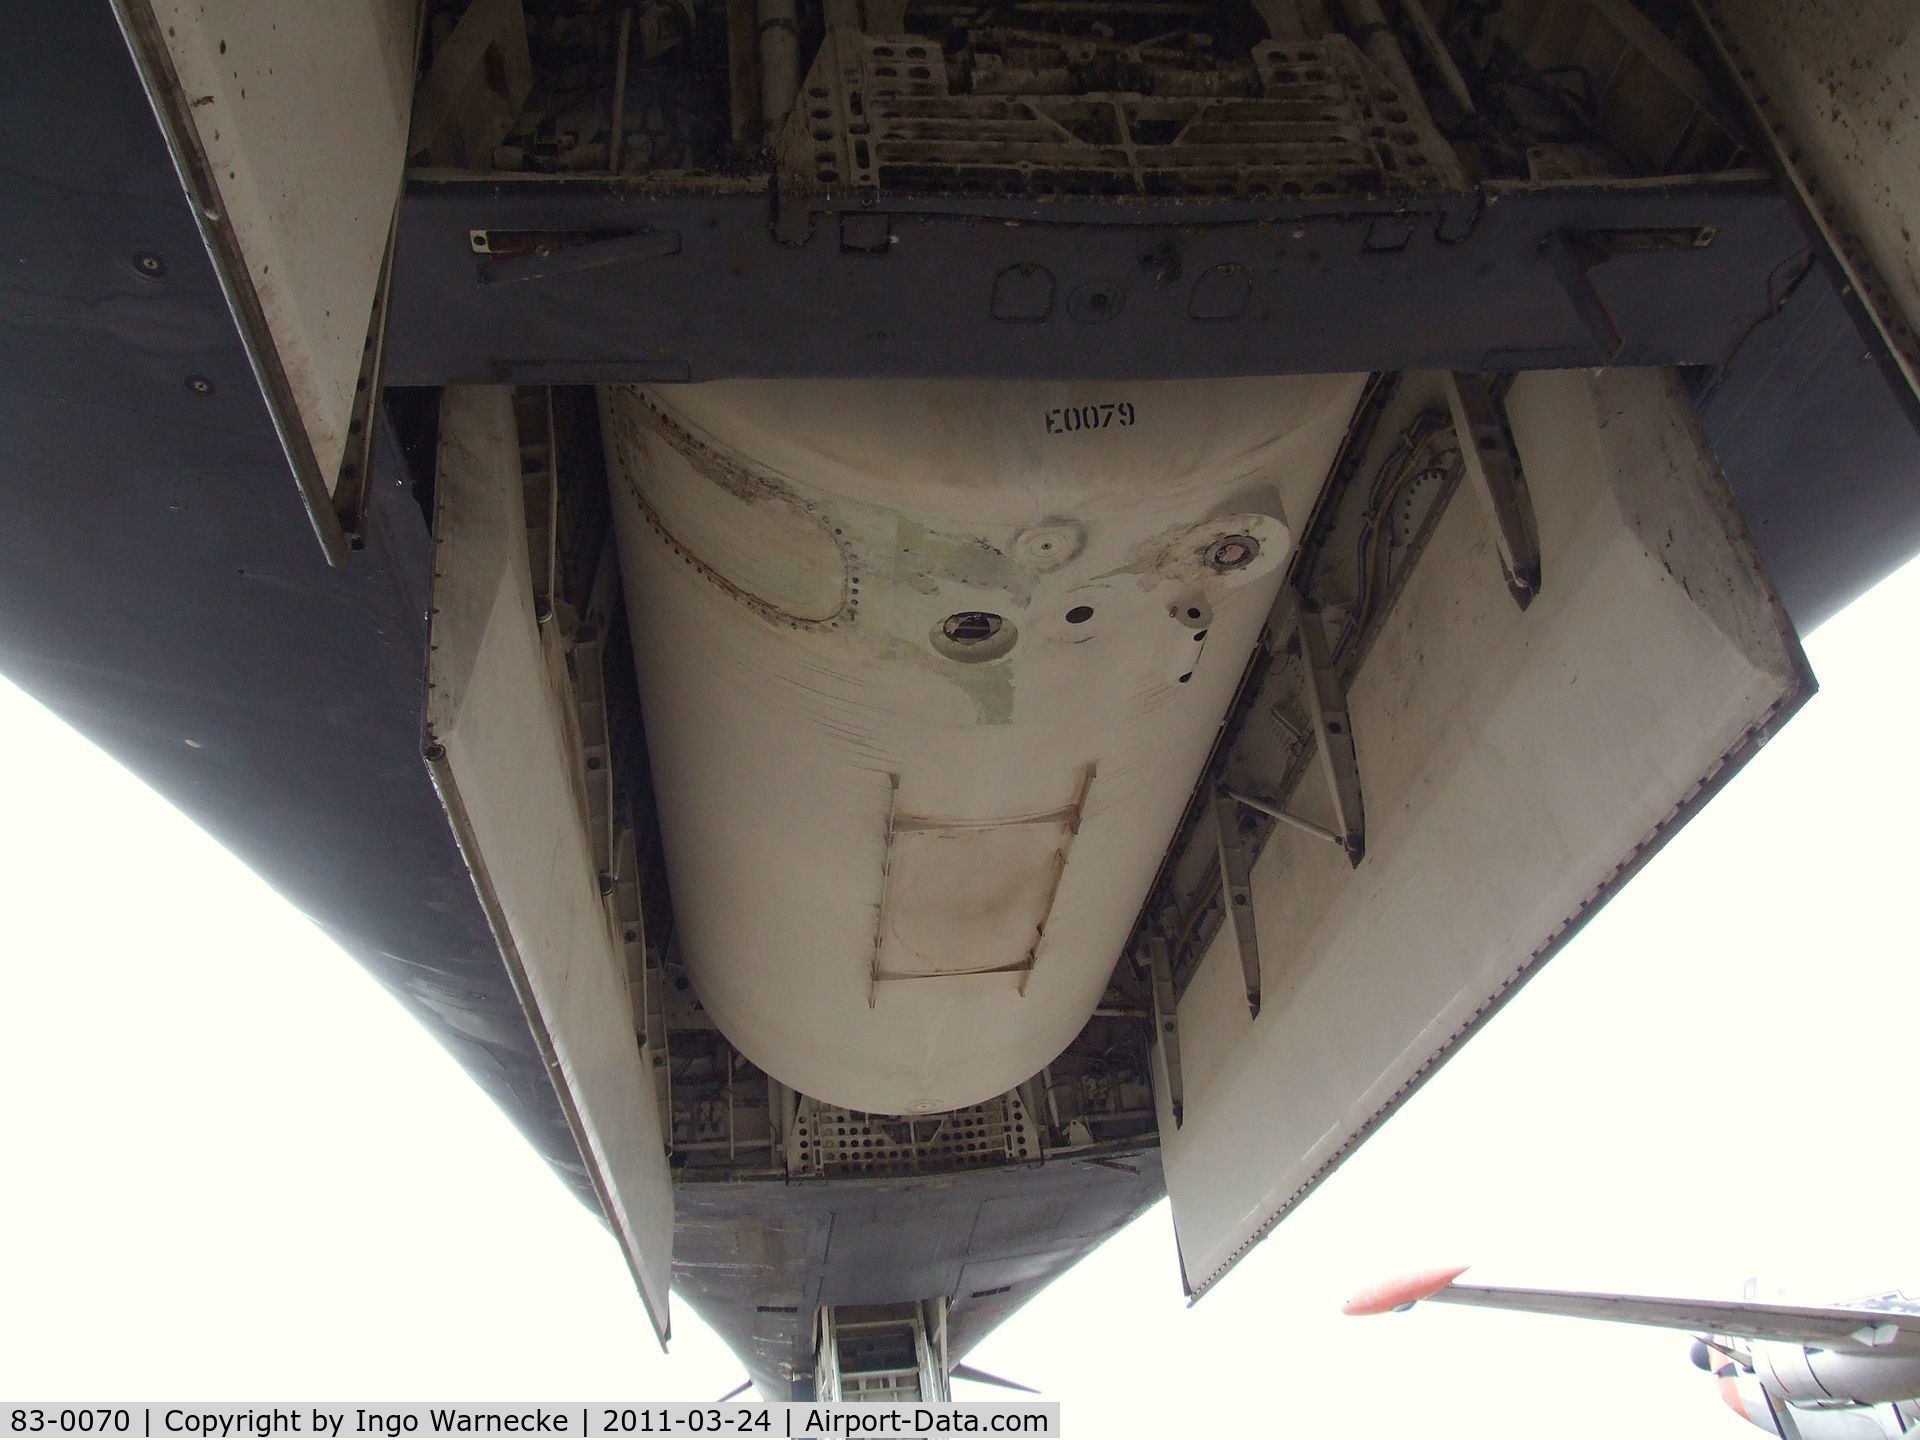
(971, 636)
(1233, 552)
(971, 627)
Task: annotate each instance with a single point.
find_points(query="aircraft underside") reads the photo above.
(911, 625)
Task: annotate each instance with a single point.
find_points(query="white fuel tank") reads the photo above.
(929, 670)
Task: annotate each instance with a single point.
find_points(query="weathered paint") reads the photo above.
(300, 112)
(1516, 764)
(901, 876)
(505, 760)
(1836, 83)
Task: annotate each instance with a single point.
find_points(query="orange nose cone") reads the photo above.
(1402, 1291)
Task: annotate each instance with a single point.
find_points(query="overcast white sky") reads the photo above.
(234, 1169)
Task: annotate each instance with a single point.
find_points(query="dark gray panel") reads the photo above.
(891, 1240)
(1016, 1225)
(1515, 279)
(160, 584)
(1821, 450)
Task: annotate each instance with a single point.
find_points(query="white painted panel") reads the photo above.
(300, 111)
(1514, 763)
(791, 550)
(504, 762)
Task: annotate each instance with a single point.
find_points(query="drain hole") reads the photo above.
(1079, 614)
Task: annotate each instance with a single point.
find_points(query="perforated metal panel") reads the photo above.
(882, 112)
(830, 1141)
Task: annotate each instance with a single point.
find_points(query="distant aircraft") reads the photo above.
(1802, 1372)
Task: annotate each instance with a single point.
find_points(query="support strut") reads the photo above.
(1486, 447)
(1166, 1023)
(1332, 729)
(1236, 890)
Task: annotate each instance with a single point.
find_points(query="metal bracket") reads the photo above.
(356, 456)
(1326, 701)
(1236, 891)
(596, 753)
(512, 258)
(643, 980)
(1486, 446)
(1166, 1023)
(624, 910)
(533, 412)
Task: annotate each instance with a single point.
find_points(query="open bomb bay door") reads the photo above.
(1516, 762)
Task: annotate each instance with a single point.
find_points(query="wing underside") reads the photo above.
(1828, 1327)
